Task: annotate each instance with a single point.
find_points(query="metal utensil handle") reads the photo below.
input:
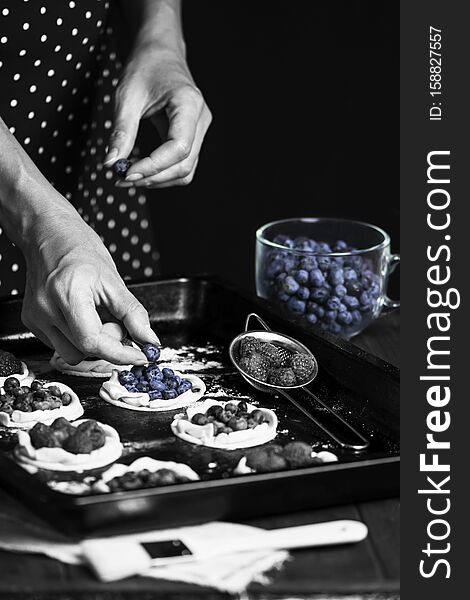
(338, 429)
(259, 319)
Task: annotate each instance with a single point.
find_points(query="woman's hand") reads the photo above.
(71, 281)
(156, 83)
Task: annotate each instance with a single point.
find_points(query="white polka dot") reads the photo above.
(26, 26)
(93, 151)
(53, 159)
(58, 48)
(132, 192)
(99, 216)
(74, 31)
(5, 12)
(141, 200)
(64, 82)
(32, 89)
(68, 143)
(60, 107)
(109, 175)
(14, 292)
(4, 39)
(14, 267)
(13, 103)
(59, 21)
(125, 232)
(122, 208)
(99, 23)
(55, 133)
(1, 64)
(51, 72)
(146, 248)
(87, 14)
(109, 199)
(144, 223)
(85, 41)
(74, 91)
(26, 141)
(134, 240)
(114, 82)
(31, 115)
(112, 56)
(107, 124)
(68, 169)
(125, 256)
(93, 176)
(111, 224)
(37, 63)
(78, 66)
(48, 99)
(133, 215)
(105, 72)
(68, 57)
(40, 150)
(72, 4)
(22, 52)
(148, 271)
(43, 10)
(99, 191)
(12, 130)
(68, 195)
(135, 263)
(112, 248)
(43, 37)
(16, 76)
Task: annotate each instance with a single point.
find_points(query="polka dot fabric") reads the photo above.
(58, 69)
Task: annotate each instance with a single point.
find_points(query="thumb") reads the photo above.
(126, 124)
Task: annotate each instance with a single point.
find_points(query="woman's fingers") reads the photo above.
(64, 347)
(127, 112)
(183, 112)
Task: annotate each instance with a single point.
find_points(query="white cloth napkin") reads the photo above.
(228, 573)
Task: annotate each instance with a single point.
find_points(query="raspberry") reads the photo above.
(284, 377)
(248, 345)
(298, 454)
(9, 364)
(302, 366)
(257, 367)
(272, 354)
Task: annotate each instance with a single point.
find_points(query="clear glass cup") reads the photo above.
(329, 274)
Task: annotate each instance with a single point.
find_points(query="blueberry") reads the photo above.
(334, 327)
(308, 263)
(356, 317)
(330, 315)
(274, 268)
(170, 394)
(183, 388)
(349, 274)
(318, 310)
(301, 276)
(324, 262)
(340, 291)
(340, 246)
(336, 276)
(168, 373)
(345, 318)
(374, 290)
(342, 308)
(126, 377)
(121, 167)
(316, 277)
(157, 385)
(354, 288)
(151, 351)
(283, 297)
(171, 383)
(320, 295)
(304, 244)
(311, 318)
(333, 303)
(138, 371)
(178, 379)
(142, 387)
(290, 285)
(365, 299)
(351, 301)
(289, 265)
(131, 388)
(296, 306)
(323, 248)
(303, 293)
(155, 395)
(153, 372)
(284, 240)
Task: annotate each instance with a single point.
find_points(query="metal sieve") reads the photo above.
(315, 409)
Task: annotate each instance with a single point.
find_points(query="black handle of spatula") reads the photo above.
(322, 415)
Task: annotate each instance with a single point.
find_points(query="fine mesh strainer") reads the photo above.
(314, 408)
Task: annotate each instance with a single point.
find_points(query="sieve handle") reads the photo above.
(258, 318)
(327, 419)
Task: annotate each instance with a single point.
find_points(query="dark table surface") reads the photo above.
(369, 569)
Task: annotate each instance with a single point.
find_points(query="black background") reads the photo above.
(305, 103)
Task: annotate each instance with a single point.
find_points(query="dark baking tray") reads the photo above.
(194, 312)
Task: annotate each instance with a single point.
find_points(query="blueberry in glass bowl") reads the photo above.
(327, 274)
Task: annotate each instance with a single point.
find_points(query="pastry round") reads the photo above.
(145, 462)
(26, 420)
(115, 393)
(326, 457)
(203, 435)
(58, 459)
(25, 378)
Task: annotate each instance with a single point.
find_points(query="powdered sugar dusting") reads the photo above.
(190, 359)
